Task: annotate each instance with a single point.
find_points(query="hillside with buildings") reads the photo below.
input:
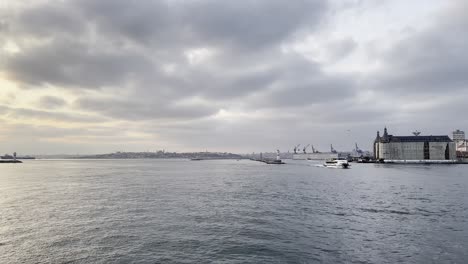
(162, 155)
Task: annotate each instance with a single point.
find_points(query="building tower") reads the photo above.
(460, 141)
(458, 135)
(385, 135)
(376, 146)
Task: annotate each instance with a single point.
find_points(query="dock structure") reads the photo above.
(276, 161)
(269, 161)
(11, 161)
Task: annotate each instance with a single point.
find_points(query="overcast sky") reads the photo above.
(87, 76)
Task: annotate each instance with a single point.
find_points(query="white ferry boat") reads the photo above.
(337, 164)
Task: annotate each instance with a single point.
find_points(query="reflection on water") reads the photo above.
(177, 211)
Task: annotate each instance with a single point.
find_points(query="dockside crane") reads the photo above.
(305, 148)
(332, 150)
(314, 150)
(358, 150)
(296, 148)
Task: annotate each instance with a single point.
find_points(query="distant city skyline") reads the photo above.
(89, 77)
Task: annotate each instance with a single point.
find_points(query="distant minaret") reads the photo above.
(14, 155)
(277, 154)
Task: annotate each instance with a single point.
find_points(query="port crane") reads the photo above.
(358, 150)
(314, 150)
(305, 148)
(332, 150)
(296, 148)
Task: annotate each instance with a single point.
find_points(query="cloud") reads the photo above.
(19, 114)
(49, 19)
(341, 48)
(234, 24)
(250, 25)
(190, 73)
(3, 26)
(51, 102)
(306, 89)
(140, 110)
(72, 64)
(128, 45)
(429, 61)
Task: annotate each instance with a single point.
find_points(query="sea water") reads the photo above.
(228, 211)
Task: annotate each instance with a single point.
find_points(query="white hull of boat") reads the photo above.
(337, 164)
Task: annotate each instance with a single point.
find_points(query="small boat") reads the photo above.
(337, 164)
(196, 159)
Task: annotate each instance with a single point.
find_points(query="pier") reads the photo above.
(11, 161)
(269, 161)
(276, 161)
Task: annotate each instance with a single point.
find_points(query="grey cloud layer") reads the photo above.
(25, 113)
(51, 102)
(126, 45)
(239, 24)
(73, 64)
(430, 61)
(139, 49)
(138, 110)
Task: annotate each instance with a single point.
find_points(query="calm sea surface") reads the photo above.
(179, 211)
